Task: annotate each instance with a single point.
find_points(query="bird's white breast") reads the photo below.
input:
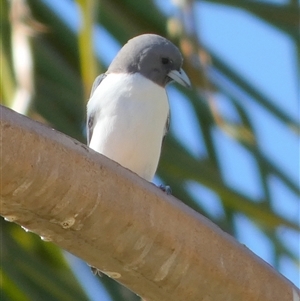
(131, 113)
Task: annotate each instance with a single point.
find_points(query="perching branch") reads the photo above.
(92, 207)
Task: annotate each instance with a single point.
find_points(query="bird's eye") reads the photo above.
(165, 60)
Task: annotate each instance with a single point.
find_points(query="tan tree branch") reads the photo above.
(90, 206)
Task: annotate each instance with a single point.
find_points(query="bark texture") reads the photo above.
(151, 242)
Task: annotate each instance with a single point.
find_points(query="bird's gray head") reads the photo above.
(154, 57)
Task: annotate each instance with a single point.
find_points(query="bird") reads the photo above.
(128, 112)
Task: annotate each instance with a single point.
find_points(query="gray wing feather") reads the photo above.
(167, 127)
(97, 82)
(90, 118)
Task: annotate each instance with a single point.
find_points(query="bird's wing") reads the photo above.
(97, 82)
(167, 127)
(91, 116)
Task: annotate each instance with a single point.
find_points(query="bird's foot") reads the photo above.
(95, 271)
(165, 188)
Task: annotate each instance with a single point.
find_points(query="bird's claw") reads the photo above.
(165, 188)
(95, 271)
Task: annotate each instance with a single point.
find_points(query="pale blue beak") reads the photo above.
(180, 77)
